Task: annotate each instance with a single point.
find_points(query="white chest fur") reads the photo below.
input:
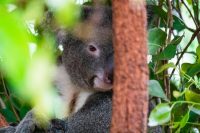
(68, 91)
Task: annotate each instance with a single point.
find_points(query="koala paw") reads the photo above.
(57, 126)
(9, 129)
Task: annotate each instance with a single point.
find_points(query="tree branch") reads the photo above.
(185, 49)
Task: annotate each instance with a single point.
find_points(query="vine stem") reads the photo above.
(169, 27)
(185, 49)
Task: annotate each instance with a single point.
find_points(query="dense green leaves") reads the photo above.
(175, 65)
(178, 24)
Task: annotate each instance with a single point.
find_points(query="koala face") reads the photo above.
(89, 60)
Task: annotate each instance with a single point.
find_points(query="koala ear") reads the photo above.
(98, 15)
(86, 12)
(62, 36)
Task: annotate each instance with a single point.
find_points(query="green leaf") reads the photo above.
(190, 69)
(166, 66)
(198, 53)
(88, 3)
(156, 39)
(189, 2)
(15, 101)
(176, 40)
(156, 90)
(161, 114)
(168, 53)
(23, 111)
(184, 120)
(8, 114)
(193, 70)
(185, 67)
(14, 47)
(68, 14)
(192, 96)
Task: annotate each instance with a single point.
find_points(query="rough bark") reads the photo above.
(130, 98)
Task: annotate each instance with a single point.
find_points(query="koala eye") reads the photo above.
(92, 48)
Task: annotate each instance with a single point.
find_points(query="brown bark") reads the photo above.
(3, 122)
(130, 98)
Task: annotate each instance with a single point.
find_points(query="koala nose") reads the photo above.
(109, 70)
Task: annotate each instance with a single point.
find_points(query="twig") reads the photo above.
(190, 13)
(178, 9)
(185, 49)
(170, 21)
(196, 14)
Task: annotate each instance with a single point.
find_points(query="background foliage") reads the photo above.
(173, 41)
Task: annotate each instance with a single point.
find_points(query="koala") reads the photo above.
(84, 77)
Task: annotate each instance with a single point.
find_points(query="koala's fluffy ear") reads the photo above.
(63, 35)
(91, 19)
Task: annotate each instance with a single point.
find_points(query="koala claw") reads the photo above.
(57, 126)
(9, 129)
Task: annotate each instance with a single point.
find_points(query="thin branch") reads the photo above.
(178, 9)
(190, 29)
(185, 49)
(196, 14)
(170, 21)
(190, 13)
(169, 26)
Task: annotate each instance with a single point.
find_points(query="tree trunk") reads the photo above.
(130, 98)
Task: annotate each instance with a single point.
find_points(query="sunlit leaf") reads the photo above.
(14, 47)
(161, 114)
(37, 13)
(189, 2)
(184, 120)
(192, 96)
(176, 94)
(67, 12)
(198, 53)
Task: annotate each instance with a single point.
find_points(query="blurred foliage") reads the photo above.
(174, 51)
(28, 54)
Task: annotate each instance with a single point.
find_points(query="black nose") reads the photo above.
(109, 70)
